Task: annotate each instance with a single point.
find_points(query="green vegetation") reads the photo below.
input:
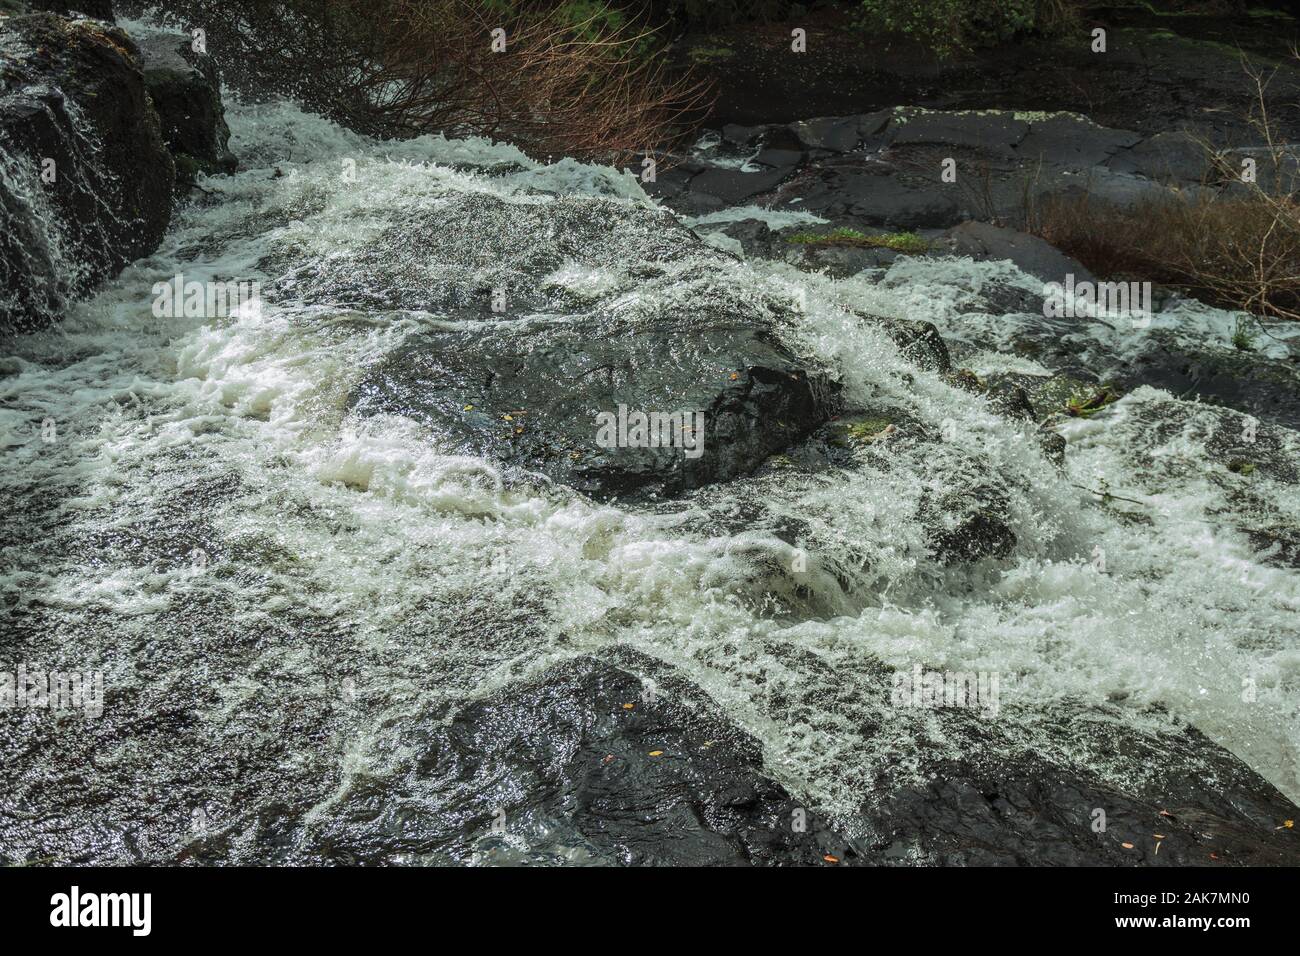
(861, 431)
(702, 55)
(1243, 339)
(907, 242)
(1087, 404)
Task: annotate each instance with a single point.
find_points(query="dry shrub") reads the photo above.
(580, 88)
(1233, 243)
(1240, 253)
(575, 79)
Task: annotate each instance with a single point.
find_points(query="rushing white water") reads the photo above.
(442, 580)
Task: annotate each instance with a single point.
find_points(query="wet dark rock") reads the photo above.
(456, 254)
(1027, 399)
(72, 92)
(969, 525)
(779, 158)
(1175, 156)
(734, 187)
(984, 241)
(1108, 187)
(840, 261)
(619, 761)
(1011, 400)
(1049, 396)
(531, 397)
(1073, 142)
(884, 168)
(874, 196)
(587, 763)
(743, 135)
(920, 343)
(1040, 812)
(1277, 170)
(756, 238)
(837, 134)
(992, 132)
(556, 359)
(1267, 388)
(187, 95)
(1245, 446)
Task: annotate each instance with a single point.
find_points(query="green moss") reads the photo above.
(861, 431)
(1241, 466)
(906, 242)
(703, 55)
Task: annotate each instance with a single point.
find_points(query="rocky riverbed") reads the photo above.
(941, 580)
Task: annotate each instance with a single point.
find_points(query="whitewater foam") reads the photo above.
(233, 436)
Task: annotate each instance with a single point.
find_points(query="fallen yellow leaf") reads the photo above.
(735, 375)
(468, 408)
(628, 706)
(830, 859)
(656, 753)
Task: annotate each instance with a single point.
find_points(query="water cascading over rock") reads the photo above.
(87, 180)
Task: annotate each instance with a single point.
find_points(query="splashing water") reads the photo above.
(335, 548)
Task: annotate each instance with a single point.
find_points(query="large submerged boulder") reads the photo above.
(88, 181)
(608, 408)
(647, 379)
